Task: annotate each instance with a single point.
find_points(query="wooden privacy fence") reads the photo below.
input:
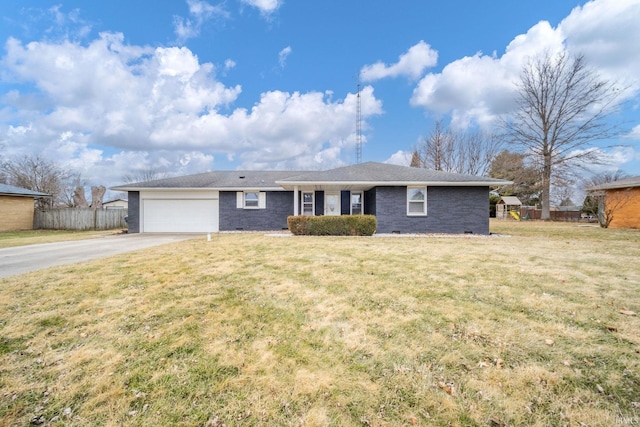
(79, 219)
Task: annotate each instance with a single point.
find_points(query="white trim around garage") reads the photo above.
(179, 212)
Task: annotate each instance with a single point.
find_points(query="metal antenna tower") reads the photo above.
(359, 127)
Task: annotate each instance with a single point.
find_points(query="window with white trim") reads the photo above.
(251, 200)
(356, 202)
(416, 201)
(308, 205)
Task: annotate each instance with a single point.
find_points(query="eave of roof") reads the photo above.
(12, 190)
(622, 183)
(216, 180)
(360, 176)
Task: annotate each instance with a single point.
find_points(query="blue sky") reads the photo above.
(185, 86)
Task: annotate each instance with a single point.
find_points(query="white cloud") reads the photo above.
(606, 31)
(282, 56)
(107, 108)
(401, 158)
(635, 133)
(411, 64)
(199, 13)
(266, 7)
(478, 88)
(229, 64)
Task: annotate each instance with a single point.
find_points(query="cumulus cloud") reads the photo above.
(606, 32)
(199, 13)
(400, 158)
(108, 108)
(282, 56)
(411, 64)
(477, 89)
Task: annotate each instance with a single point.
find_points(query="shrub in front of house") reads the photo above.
(345, 225)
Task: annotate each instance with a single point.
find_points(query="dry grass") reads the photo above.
(262, 330)
(33, 237)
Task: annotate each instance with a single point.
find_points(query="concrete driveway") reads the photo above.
(21, 259)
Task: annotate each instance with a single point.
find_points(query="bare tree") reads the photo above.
(604, 178)
(97, 193)
(562, 107)
(38, 174)
(74, 184)
(149, 174)
(594, 202)
(610, 202)
(465, 153)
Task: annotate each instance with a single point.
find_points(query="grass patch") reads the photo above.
(256, 330)
(33, 237)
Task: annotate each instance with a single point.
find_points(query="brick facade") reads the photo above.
(627, 215)
(449, 210)
(279, 205)
(16, 213)
(133, 213)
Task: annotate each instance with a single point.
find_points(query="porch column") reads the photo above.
(295, 201)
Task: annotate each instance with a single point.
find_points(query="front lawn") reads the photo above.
(537, 328)
(33, 237)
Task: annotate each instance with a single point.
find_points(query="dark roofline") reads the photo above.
(363, 175)
(622, 183)
(12, 190)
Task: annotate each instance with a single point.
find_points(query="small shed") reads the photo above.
(508, 206)
(17, 207)
(116, 204)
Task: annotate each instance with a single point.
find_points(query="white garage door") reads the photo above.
(179, 215)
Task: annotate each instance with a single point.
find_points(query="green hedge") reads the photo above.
(345, 225)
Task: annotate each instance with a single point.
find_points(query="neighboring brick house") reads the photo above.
(17, 207)
(403, 199)
(622, 198)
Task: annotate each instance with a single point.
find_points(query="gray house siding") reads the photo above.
(279, 205)
(133, 214)
(449, 210)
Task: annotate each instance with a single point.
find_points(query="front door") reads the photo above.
(332, 203)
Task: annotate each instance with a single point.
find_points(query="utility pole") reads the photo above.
(359, 127)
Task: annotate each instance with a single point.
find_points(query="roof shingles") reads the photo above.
(370, 172)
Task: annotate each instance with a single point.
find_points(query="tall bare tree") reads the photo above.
(563, 106)
(465, 153)
(38, 174)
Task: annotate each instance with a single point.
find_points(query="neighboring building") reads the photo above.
(622, 200)
(403, 199)
(17, 207)
(116, 204)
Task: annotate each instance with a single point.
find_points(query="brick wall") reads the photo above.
(133, 217)
(628, 214)
(279, 205)
(16, 213)
(449, 210)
